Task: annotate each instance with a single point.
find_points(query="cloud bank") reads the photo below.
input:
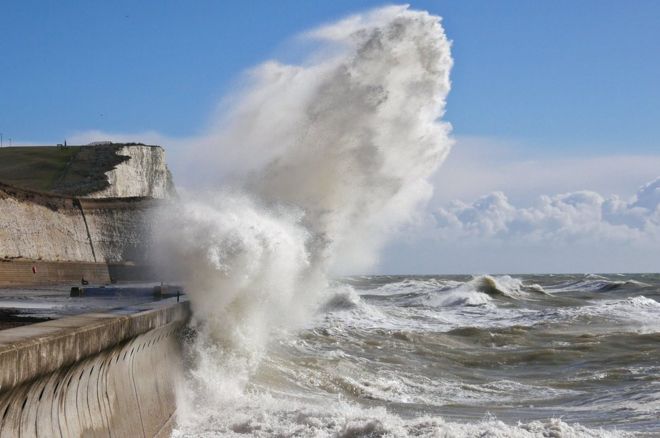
(569, 218)
(575, 232)
(479, 165)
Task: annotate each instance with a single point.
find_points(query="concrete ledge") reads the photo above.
(24, 272)
(103, 374)
(31, 351)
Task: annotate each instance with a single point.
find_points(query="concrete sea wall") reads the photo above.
(27, 272)
(109, 374)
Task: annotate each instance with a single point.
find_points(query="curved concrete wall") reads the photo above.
(92, 375)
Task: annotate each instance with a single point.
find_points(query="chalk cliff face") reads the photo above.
(37, 227)
(144, 174)
(119, 229)
(111, 225)
(33, 230)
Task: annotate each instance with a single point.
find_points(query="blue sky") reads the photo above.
(576, 76)
(547, 98)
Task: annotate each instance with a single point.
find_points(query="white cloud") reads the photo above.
(479, 165)
(582, 217)
(581, 231)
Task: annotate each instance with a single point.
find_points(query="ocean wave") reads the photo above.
(266, 416)
(637, 314)
(506, 286)
(596, 283)
(466, 307)
(413, 286)
(503, 286)
(481, 290)
(437, 293)
(407, 388)
(344, 310)
(341, 298)
(456, 298)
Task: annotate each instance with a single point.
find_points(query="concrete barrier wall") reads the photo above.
(25, 272)
(40, 273)
(93, 375)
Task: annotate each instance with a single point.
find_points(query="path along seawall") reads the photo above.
(109, 374)
(104, 374)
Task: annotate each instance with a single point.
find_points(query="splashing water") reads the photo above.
(349, 138)
(338, 152)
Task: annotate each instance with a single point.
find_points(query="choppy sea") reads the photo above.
(484, 356)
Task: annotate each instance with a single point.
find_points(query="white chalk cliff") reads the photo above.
(144, 174)
(110, 225)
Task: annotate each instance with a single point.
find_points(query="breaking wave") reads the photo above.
(343, 420)
(596, 283)
(348, 165)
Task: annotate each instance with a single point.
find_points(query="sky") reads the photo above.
(548, 99)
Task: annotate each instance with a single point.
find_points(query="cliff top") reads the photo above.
(68, 171)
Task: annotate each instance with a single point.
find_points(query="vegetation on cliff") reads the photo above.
(70, 170)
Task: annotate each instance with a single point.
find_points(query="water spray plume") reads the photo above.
(336, 153)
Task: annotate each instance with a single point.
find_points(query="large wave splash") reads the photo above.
(349, 138)
(337, 151)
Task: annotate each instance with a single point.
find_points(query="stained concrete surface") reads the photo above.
(95, 374)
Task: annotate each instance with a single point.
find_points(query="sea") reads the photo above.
(449, 356)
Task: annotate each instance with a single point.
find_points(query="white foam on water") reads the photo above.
(264, 416)
(441, 310)
(415, 286)
(461, 297)
(595, 283)
(637, 314)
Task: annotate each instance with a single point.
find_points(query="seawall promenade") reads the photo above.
(98, 374)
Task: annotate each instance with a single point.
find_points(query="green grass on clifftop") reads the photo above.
(72, 171)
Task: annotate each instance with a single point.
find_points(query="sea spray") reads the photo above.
(242, 264)
(337, 154)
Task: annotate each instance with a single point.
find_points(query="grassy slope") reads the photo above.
(74, 170)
